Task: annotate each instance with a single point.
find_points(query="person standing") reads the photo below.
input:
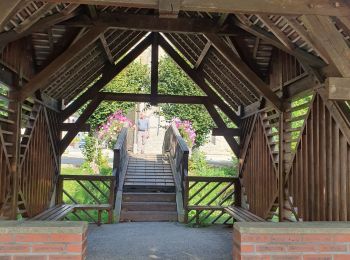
(142, 133)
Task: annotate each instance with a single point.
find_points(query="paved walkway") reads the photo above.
(164, 240)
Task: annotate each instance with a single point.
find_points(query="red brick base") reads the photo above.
(42, 240)
(291, 241)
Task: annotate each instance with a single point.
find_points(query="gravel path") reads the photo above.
(163, 240)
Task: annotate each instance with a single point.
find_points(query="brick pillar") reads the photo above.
(291, 241)
(42, 240)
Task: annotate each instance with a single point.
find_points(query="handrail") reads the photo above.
(120, 155)
(176, 148)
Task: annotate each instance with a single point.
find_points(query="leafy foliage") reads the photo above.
(173, 81)
(135, 78)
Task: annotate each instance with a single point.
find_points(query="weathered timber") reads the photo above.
(338, 88)
(244, 70)
(226, 132)
(149, 23)
(154, 69)
(321, 7)
(44, 76)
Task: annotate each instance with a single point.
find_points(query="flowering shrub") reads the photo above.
(108, 132)
(186, 130)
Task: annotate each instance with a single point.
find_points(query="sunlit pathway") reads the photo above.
(134, 241)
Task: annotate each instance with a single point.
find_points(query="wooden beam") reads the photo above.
(152, 23)
(302, 55)
(154, 69)
(43, 24)
(229, 132)
(79, 124)
(106, 48)
(31, 20)
(169, 8)
(8, 9)
(194, 75)
(244, 70)
(276, 31)
(71, 126)
(109, 72)
(338, 88)
(203, 54)
(131, 97)
(321, 7)
(331, 41)
(45, 76)
(221, 124)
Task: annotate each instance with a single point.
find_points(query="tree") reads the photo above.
(172, 80)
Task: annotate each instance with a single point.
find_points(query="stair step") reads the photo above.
(149, 206)
(148, 216)
(149, 197)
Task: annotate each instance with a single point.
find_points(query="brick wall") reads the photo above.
(41, 240)
(292, 241)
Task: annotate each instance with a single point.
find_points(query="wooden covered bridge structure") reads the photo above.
(279, 70)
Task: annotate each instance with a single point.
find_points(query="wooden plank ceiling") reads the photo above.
(54, 27)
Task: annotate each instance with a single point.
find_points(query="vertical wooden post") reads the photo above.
(237, 193)
(14, 149)
(186, 197)
(154, 69)
(281, 196)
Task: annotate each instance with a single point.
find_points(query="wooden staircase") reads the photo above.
(148, 190)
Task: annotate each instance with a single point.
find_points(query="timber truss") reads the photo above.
(279, 71)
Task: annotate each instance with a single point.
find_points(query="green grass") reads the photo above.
(81, 196)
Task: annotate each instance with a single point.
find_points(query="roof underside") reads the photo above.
(250, 36)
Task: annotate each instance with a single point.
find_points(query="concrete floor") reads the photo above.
(163, 240)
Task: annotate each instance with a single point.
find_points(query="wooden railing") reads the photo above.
(120, 156)
(176, 149)
(206, 198)
(90, 192)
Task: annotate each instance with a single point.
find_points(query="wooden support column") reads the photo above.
(79, 124)
(154, 69)
(13, 149)
(281, 168)
(221, 124)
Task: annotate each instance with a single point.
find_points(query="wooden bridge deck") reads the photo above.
(148, 190)
(149, 172)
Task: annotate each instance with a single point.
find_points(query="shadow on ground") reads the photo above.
(163, 240)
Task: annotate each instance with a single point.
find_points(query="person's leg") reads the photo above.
(139, 141)
(143, 140)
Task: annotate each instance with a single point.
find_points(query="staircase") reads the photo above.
(148, 190)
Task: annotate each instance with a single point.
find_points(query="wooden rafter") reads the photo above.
(44, 76)
(42, 24)
(244, 70)
(109, 72)
(79, 124)
(302, 55)
(276, 31)
(221, 124)
(8, 8)
(330, 41)
(321, 7)
(149, 23)
(199, 80)
(203, 54)
(106, 48)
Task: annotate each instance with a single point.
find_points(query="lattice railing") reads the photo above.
(206, 198)
(87, 191)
